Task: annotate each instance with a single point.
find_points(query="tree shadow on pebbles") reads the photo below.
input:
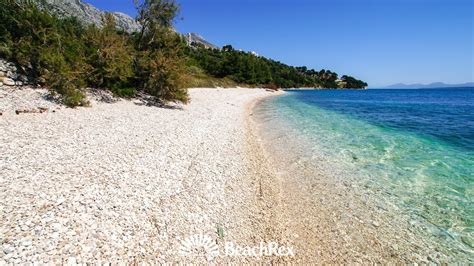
(151, 101)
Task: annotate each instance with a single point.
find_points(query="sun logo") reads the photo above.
(199, 245)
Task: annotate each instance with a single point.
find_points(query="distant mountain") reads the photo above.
(194, 38)
(89, 14)
(429, 86)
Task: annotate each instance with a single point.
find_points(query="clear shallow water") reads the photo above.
(414, 147)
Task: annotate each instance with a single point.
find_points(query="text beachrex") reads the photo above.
(200, 245)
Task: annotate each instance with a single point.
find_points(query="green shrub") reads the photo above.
(160, 61)
(123, 91)
(65, 56)
(109, 54)
(68, 89)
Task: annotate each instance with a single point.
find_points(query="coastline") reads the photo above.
(327, 216)
(126, 182)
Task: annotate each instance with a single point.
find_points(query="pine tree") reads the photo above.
(110, 56)
(160, 63)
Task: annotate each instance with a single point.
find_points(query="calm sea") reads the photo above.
(417, 146)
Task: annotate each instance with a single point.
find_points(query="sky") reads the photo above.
(379, 41)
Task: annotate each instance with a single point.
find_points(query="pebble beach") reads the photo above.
(127, 182)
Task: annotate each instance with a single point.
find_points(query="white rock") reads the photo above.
(57, 227)
(8, 249)
(8, 82)
(11, 74)
(71, 261)
(26, 243)
(8, 256)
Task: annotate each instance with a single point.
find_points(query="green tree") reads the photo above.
(160, 62)
(110, 56)
(48, 48)
(349, 82)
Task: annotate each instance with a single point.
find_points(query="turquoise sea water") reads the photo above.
(416, 147)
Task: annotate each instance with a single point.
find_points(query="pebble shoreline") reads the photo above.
(124, 182)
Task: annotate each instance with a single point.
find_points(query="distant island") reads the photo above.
(430, 86)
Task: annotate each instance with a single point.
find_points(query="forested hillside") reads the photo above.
(65, 55)
(248, 68)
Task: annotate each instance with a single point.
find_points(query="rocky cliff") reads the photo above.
(90, 14)
(193, 39)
